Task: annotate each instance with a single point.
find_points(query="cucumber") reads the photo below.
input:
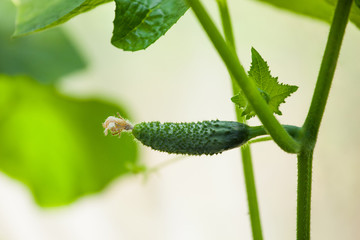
(194, 138)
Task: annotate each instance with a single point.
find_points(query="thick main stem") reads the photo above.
(304, 194)
(278, 133)
(315, 114)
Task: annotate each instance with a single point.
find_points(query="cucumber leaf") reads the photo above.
(319, 9)
(273, 92)
(55, 144)
(36, 15)
(46, 56)
(140, 23)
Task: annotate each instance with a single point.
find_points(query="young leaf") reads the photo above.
(36, 15)
(55, 144)
(140, 23)
(273, 92)
(320, 9)
(47, 56)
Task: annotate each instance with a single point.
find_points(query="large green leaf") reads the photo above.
(140, 23)
(56, 145)
(320, 9)
(46, 56)
(36, 15)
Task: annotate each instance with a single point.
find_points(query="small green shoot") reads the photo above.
(273, 92)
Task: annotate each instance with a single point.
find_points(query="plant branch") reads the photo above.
(245, 149)
(272, 125)
(315, 114)
(304, 195)
(261, 139)
(327, 69)
(251, 192)
(226, 22)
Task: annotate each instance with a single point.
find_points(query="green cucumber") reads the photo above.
(195, 138)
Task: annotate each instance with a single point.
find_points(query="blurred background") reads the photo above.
(179, 78)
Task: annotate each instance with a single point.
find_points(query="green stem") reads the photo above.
(294, 131)
(304, 195)
(262, 139)
(315, 114)
(245, 149)
(278, 133)
(327, 69)
(251, 192)
(226, 22)
(254, 212)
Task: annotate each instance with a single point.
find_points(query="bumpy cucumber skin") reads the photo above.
(207, 137)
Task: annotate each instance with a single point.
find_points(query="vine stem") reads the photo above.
(272, 125)
(254, 211)
(316, 111)
(327, 68)
(246, 156)
(258, 140)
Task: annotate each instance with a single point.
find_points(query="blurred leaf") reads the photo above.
(320, 9)
(312, 8)
(140, 23)
(56, 145)
(36, 15)
(354, 12)
(46, 56)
